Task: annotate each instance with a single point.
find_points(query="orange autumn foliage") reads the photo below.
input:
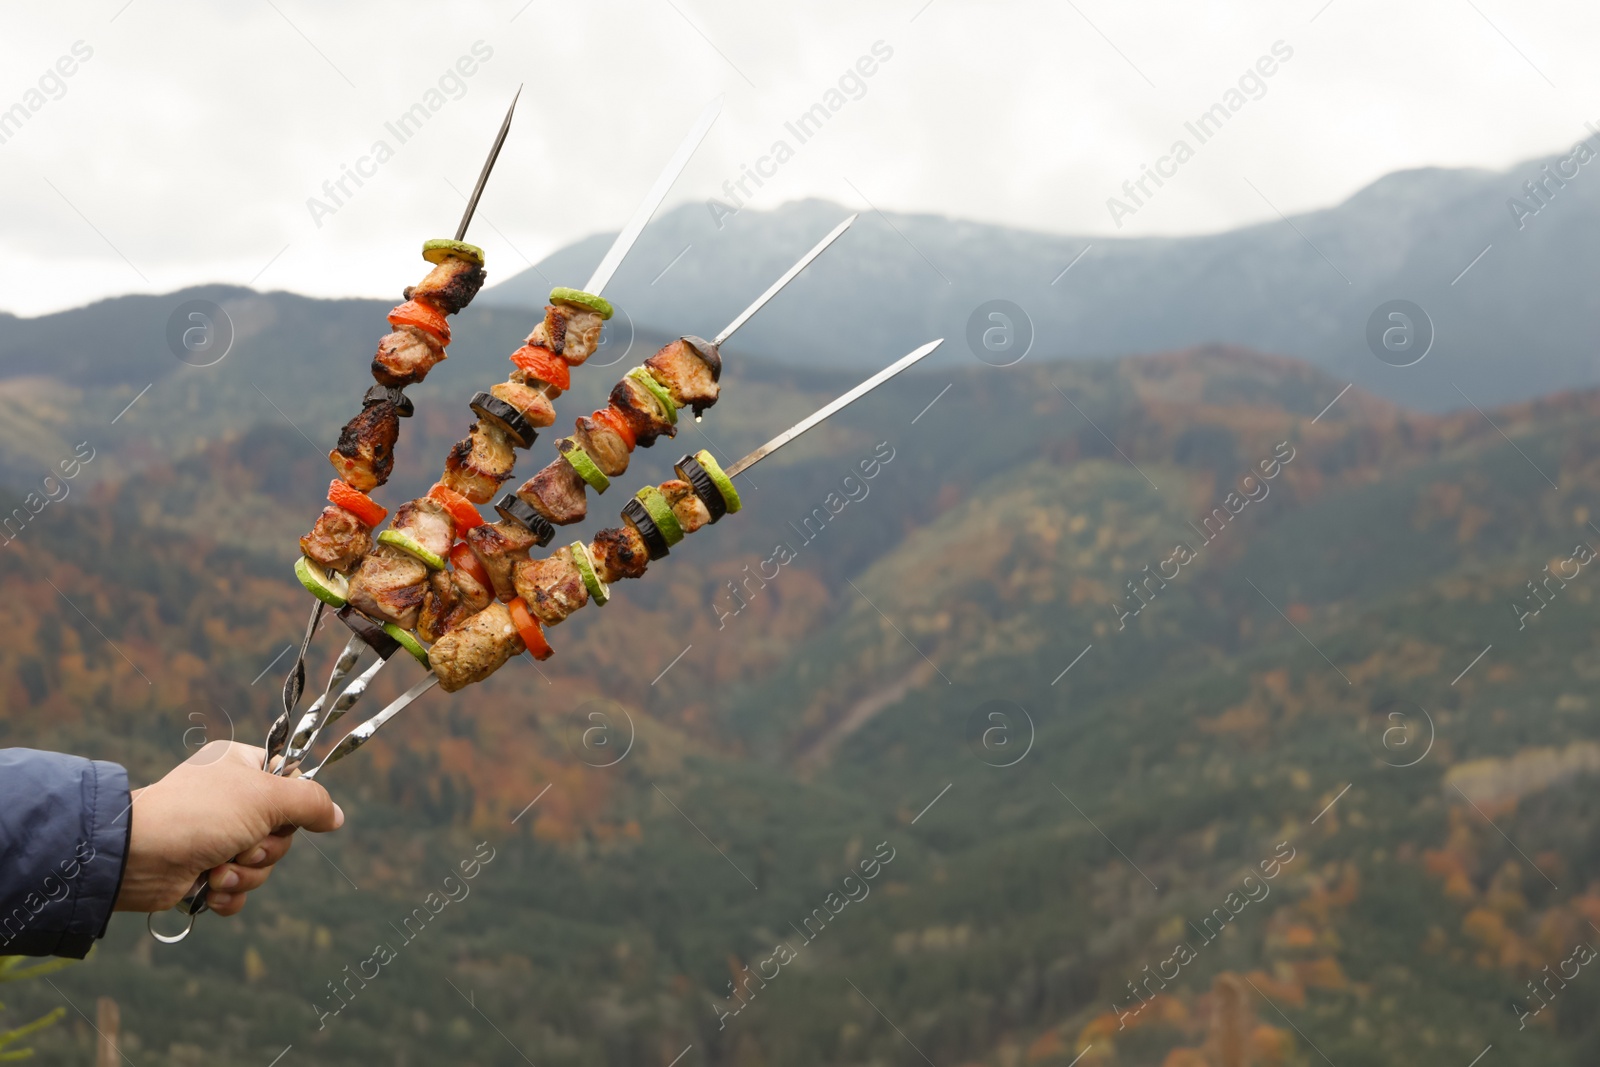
(1270, 1045)
(1046, 1046)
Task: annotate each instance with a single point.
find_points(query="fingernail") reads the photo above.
(221, 900)
(256, 857)
(338, 816)
(229, 880)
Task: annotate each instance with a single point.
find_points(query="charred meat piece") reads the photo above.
(533, 403)
(642, 410)
(476, 649)
(406, 356)
(557, 493)
(536, 383)
(687, 377)
(604, 445)
(426, 521)
(471, 589)
(619, 553)
(364, 456)
(552, 588)
(337, 539)
(451, 599)
(450, 286)
(499, 546)
(688, 508)
(571, 332)
(479, 462)
(389, 585)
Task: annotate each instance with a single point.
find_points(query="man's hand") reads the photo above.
(218, 806)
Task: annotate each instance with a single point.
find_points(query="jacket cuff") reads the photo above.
(82, 852)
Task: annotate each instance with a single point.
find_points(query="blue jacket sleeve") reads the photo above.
(64, 824)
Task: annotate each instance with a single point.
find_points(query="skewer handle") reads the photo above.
(293, 686)
(363, 733)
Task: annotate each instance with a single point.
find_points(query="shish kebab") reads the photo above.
(488, 639)
(392, 568)
(492, 561)
(364, 454)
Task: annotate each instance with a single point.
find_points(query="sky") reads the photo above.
(193, 144)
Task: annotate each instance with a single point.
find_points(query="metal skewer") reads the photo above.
(776, 287)
(838, 405)
(363, 733)
(315, 717)
(652, 199)
(488, 165)
(293, 686)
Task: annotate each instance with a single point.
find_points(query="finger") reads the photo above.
(226, 904)
(266, 852)
(232, 752)
(230, 878)
(304, 804)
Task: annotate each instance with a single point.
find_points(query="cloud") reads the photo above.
(189, 145)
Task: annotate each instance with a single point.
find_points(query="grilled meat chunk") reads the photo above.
(571, 332)
(553, 588)
(426, 521)
(557, 493)
(604, 445)
(643, 412)
(619, 553)
(689, 509)
(390, 585)
(471, 589)
(475, 649)
(499, 546)
(406, 356)
(686, 376)
(533, 403)
(479, 462)
(449, 286)
(337, 539)
(451, 599)
(364, 456)
(521, 377)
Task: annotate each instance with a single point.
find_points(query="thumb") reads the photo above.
(305, 804)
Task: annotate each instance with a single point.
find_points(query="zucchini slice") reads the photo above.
(408, 642)
(330, 588)
(406, 543)
(578, 298)
(598, 590)
(660, 512)
(643, 376)
(723, 483)
(584, 464)
(440, 249)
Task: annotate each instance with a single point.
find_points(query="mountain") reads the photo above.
(976, 784)
(1520, 323)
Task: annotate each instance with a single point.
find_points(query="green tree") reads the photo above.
(12, 970)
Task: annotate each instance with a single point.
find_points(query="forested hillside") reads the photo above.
(936, 783)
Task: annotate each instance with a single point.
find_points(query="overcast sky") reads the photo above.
(185, 147)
